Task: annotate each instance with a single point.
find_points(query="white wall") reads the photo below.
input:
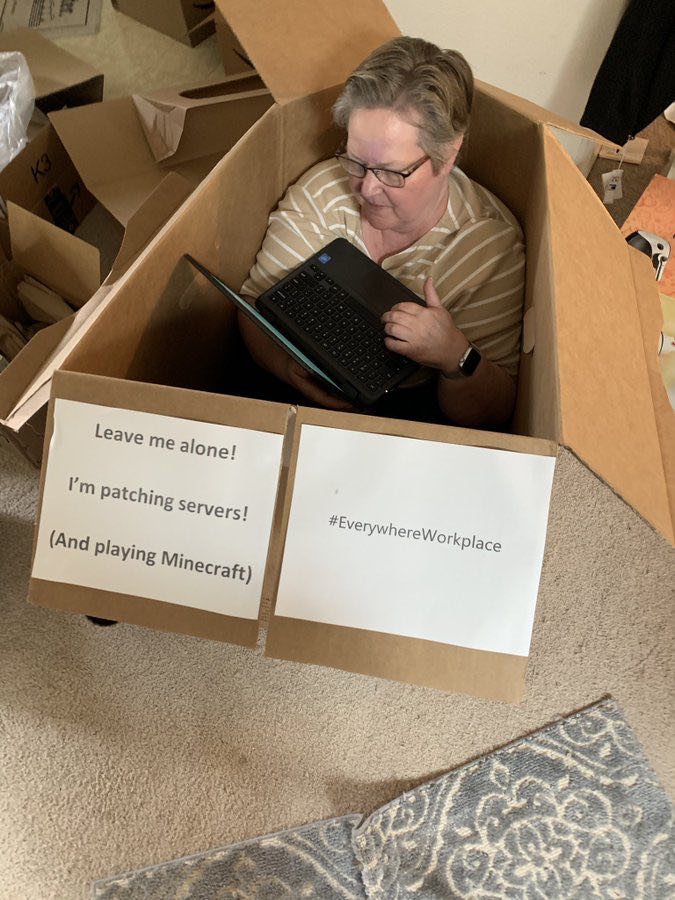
(546, 51)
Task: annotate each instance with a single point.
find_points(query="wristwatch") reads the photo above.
(467, 365)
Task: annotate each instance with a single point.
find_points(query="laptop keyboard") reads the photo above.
(323, 310)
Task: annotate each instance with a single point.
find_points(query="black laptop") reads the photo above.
(326, 312)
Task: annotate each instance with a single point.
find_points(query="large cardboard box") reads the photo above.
(43, 181)
(42, 178)
(588, 383)
(139, 158)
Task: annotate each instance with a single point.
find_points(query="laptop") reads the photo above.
(326, 314)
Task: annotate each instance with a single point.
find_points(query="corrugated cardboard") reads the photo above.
(499, 676)
(231, 52)
(60, 78)
(108, 144)
(198, 122)
(262, 416)
(185, 21)
(575, 389)
(42, 178)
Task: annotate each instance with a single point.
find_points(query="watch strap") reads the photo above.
(468, 363)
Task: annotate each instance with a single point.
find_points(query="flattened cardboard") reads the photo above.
(262, 416)
(499, 676)
(297, 61)
(60, 78)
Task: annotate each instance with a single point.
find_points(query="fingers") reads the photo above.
(397, 346)
(430, 294)
(397, 330)
(408, 308)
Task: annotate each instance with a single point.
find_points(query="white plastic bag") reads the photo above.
(17, 99)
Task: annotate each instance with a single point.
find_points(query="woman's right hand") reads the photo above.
(304, 382)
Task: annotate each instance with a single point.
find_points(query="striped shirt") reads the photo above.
(475, 253)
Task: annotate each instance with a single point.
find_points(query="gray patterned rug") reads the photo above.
(571, 811)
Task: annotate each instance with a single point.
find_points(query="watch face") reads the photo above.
(470, 362)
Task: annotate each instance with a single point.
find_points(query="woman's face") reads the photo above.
(381, 138)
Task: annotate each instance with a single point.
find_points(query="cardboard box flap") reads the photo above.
(607, 412)
(53, 69)
(314, 46)
(21, 371)
(162, 114)
(147, 221)
(111, 154)
(537, 113)
(651, 317)
(60, 260)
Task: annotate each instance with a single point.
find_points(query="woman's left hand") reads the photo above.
(425, 334)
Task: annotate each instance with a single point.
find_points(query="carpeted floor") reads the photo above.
(122, 747)
(572, 810)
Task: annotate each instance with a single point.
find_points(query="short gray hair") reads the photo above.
(410, 75)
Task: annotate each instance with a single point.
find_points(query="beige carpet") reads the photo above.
(124, 747)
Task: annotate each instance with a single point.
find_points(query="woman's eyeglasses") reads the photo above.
(388, 177)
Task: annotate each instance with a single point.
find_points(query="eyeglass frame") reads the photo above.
(404, 173)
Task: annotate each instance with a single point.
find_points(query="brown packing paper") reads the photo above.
(268, 417)
(497, 676)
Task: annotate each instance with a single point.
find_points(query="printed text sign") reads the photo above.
(416, 538)
(159, 507)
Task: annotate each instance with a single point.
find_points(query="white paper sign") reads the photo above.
(160, 507)
(416, 538)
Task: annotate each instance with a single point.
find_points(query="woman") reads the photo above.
(395, 192)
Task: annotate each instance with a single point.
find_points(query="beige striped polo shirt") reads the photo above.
(475, 253)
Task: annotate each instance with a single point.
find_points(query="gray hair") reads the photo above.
(414, 77)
